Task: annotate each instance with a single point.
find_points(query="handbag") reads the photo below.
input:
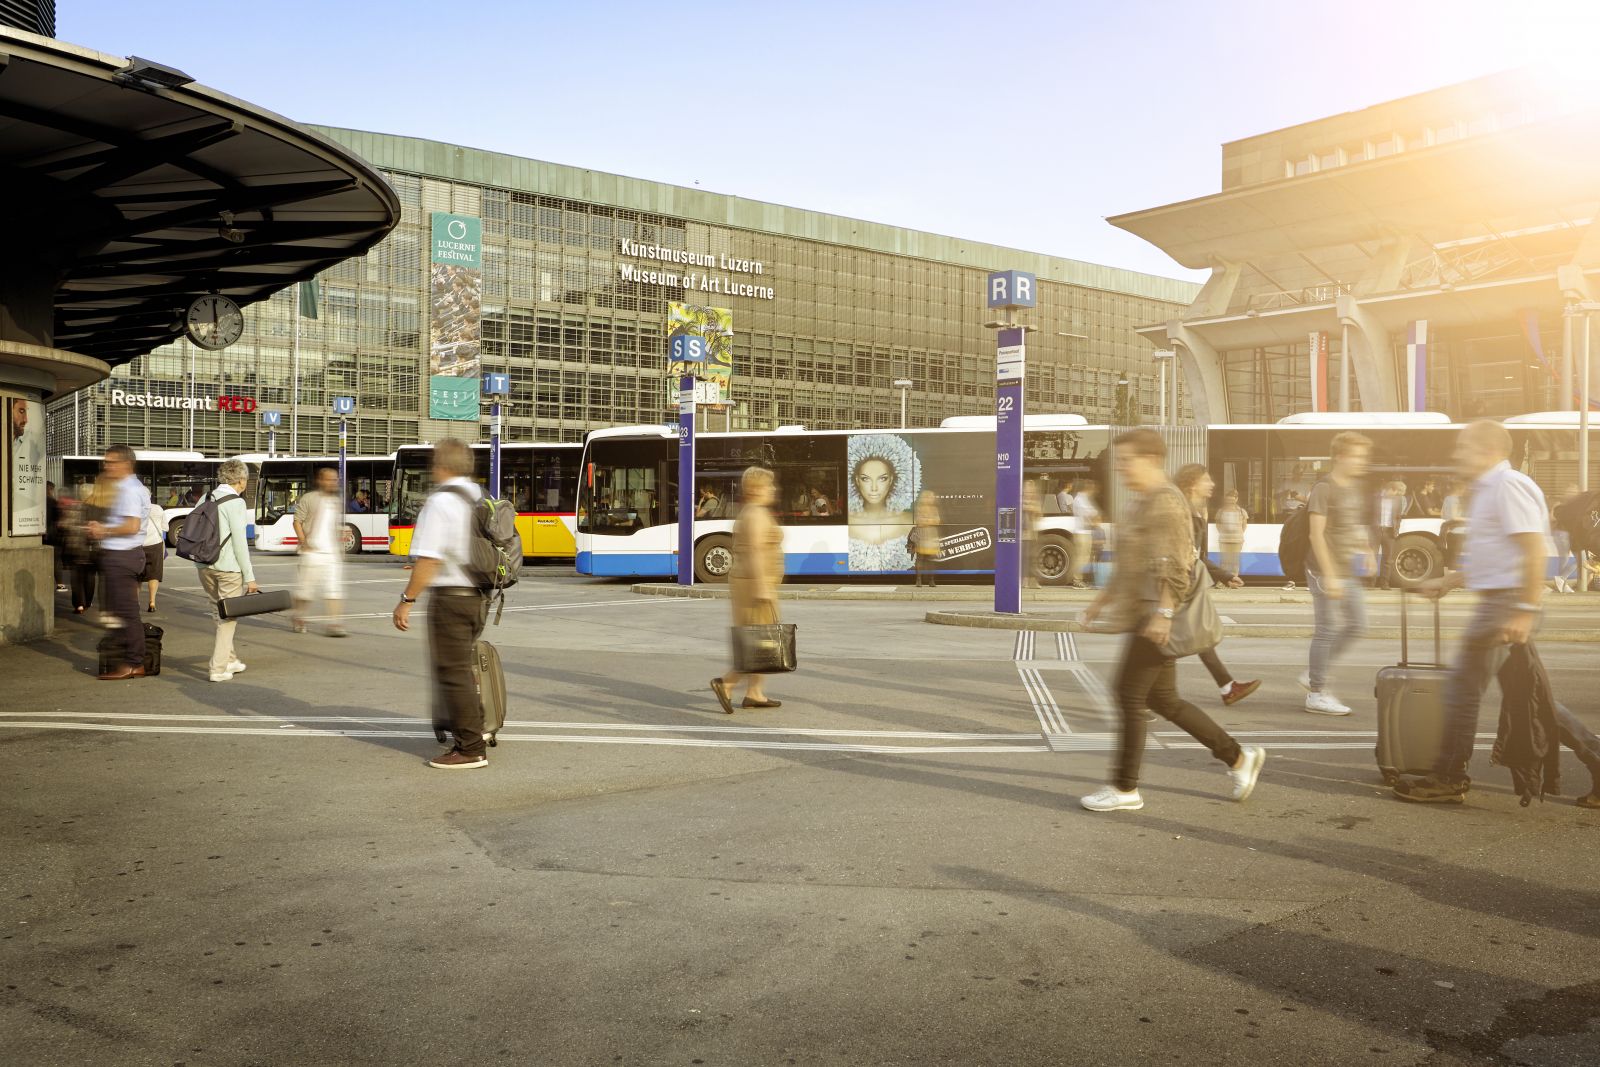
(768, 649)
(1196, 626)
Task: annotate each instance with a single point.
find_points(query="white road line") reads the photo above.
(640, 602)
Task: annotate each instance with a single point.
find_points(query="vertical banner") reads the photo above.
(686, 480)
(1417, 366)
(455, 316)
(1318, 351)
(1010, 367)
(25, 466)
(711, 363)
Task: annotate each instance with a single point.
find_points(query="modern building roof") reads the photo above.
(417, 156)
(132, 190)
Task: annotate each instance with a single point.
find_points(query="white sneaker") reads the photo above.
(1305, 681)
(221, 676)
(1325, 703)
(236, 667)
(1244, 778)
(1112, 799)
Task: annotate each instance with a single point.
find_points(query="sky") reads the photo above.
(1022, 124)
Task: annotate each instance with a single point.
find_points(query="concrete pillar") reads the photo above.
(1371, 356)
(1202, 371)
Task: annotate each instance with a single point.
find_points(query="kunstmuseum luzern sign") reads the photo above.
(695, 282)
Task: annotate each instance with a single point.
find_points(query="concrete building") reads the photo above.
(827, 313)
(1426, 247)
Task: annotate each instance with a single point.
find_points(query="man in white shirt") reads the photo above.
(1086, 529)
(318, 520)
(442, 546)
(1504, 563)
(122, 558)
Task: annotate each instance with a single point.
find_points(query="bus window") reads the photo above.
(625, 493)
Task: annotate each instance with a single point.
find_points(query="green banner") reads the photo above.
(457, 239)
(450, 397)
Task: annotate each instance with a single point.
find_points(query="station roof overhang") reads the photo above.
(133, 196)
(1528, 176)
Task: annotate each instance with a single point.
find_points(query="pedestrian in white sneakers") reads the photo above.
(1341, 551)
(1155, 556)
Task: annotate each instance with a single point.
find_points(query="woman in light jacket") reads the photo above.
(753, 582)
(925, 535)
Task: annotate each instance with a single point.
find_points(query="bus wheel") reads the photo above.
(1417, 559)
(350, 539)
(713, 560)
(173, 531)
(1052, 562)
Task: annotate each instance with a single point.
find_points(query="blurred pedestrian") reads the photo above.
(1195, 482)
(1341, 550)
(319, 575)
(122, 557)
(1504, 563)
(1087, 530)
(925, 536)
(1233, 522)
(154, 533)
(52, 536)
(1391, 507)
(1154, 569)
(231, 574)
(457, 608)
(754, 580)
(1032, 514)
(82, 551)
(1569, 564)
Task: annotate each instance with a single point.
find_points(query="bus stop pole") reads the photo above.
(686, 480)
(1010, 356)
(1583, 411)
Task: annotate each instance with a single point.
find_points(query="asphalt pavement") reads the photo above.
(889, 869)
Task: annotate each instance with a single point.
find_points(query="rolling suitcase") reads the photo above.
(490, 680)
(1411, 716)
(111, 646)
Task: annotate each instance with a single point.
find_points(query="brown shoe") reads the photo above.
(1590, 801)
(122, 672)
(457, 760)
(721, 690)
(748, 703)
(1237, 691)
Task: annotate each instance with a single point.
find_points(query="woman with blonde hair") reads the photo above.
(753, 582)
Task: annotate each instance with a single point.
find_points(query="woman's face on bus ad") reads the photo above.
(874, 480)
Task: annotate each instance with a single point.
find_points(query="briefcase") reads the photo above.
(237, 607)
(764, 649)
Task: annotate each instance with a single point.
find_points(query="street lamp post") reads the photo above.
(904, 385)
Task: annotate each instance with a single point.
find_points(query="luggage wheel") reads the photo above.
(494, 742)
(1391, 778)
(440, 736)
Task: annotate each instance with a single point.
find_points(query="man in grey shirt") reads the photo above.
(1341, 550)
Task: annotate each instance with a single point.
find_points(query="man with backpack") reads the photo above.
(464, 561)
(1340, 543)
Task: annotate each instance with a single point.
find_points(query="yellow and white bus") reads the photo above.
(541, 481)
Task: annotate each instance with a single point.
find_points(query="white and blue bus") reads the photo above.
(627, 492)
(278, 482)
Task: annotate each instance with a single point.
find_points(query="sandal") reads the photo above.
(721, 690)
(748, 703)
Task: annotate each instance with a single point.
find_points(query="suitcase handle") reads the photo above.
(1405, 644)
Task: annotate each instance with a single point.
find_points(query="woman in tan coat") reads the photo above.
(753, 582)
(925, 535)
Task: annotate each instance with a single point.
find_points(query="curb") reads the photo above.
(977, 594)
(989, 620)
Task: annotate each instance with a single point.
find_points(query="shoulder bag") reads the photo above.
(1196, 626)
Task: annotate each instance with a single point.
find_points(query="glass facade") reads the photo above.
(572, 315)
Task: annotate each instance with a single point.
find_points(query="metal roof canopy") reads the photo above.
(133, 198)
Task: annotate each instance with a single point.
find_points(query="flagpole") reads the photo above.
(294, 388)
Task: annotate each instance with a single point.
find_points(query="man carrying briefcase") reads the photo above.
(230, 574)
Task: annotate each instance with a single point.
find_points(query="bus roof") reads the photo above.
(503, 444)
(1365, 419)
(157, 454)
(1568, 419)
(1029, 422)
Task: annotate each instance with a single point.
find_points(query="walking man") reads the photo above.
(1341, 550)
(457, 608)
(122, 557)
(1504, 563)
(317, 522)
(232, 574)
(1155, 545)
(1391, 504)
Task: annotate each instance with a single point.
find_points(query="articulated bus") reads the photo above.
(541, 480)
(176, 480)
(278, 482)
(845, 497)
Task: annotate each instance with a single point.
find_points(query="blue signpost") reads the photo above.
(342, 407)
(272, 420)
(686, 479)
(1009, 291)
(496, 386)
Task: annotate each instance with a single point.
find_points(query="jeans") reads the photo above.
(927, 567)
(455, 619)
(221, 585)
(1219, 670)
(1339, 624)
(83, 578)
(1387, 536)
(1147, 678)
(119, 582)
(1566, 559)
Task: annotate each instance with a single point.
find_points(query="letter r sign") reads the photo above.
(1012, 289)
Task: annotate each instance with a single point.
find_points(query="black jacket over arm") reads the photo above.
(1202, 545)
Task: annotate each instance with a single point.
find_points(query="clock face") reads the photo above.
(214, 322)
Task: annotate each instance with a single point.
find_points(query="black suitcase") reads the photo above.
(1411, 715)
(238, 607)
(112, 645)
(490, 679)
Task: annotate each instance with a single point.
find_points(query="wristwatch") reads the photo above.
(1165, 613)
(407, 599)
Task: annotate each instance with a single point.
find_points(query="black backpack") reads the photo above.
(1294, 544)
(1580, 517)
(494, 558)
(200, 538)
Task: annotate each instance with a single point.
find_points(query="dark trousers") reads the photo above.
(454, 623)
(1387, 536)
(119, 583)
(83, 577)
(927, 567)
(1219, 670)
(1148, 679)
